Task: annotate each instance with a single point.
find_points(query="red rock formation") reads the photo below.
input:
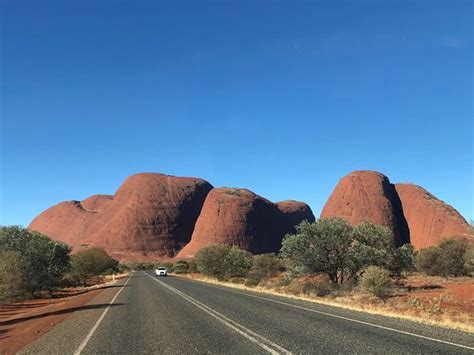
(429, 219)
(150, 215)
(240, 217)
(368, 195)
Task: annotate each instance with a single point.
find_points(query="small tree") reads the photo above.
(323, 246)
(402, 259)
(210, 260)
(44, 261)
(376, 280)
(373, 245)
(237, 262)
(90, 263)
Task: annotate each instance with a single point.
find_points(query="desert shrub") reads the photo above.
(237, 262)
(251, 282)
(192, 266)
(267, 264)
(223, 261)
(469, 261)
(43, 261)
(319, 288)
(89, 263)
(238, 280)
(12, 276)
(295, 287)
(181, 267)
(453, 252)
(427, 260)
(448, 258)
(210, 260)
(376, 280)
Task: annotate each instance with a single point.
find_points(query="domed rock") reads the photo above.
(294, 212)
(429, 219)
(368, 196)
(150, 215)
(242, 218)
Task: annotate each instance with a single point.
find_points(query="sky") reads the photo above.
(281, 97)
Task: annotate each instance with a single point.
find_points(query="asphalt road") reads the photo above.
(168, 315)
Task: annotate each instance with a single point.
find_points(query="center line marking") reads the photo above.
(239, 328)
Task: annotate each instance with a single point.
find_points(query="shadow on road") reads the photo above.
(62, 311)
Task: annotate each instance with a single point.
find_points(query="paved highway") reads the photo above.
(144, 314)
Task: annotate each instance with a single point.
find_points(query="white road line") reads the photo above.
(344, 318)
(261, 341)
(94, 328)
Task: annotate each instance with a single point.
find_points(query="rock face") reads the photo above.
(411, 212)
(368, 195)
(240, 217)
(150, 215)
(429, 219)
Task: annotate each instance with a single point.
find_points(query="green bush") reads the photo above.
(210, 260)
(181, 267)
(43, 261)
(192, 266)
(376, 280)
(237, 263)
(91, 262)
(12, 276)
(267, 264)
(427, 261)
(448, 258)
(469, 261)
(223, 261)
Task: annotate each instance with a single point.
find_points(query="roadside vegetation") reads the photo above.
(357, 267)
(32, 265)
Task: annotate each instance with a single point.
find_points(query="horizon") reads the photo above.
(93, 92)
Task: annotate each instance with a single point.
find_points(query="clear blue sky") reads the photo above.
(283, 98)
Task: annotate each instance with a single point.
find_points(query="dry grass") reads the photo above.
(427, 300)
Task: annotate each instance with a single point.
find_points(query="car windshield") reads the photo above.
(161, 268)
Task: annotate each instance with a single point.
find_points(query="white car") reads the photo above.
(161, 271)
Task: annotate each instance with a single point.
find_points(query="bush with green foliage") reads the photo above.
(446, 259)
(192, 266)
(12, 276)
(91, 262)
(333, 247)
(237, 262)
(223, 261)
(181, 267)
(210, 260)
(267, 264)
(469, 261)
(42, 260)
(376, 280)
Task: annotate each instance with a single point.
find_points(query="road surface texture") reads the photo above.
(168, 315)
